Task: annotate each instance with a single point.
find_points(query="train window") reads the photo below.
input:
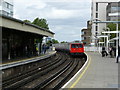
(80, 46)
(73, 46)
(76, 45)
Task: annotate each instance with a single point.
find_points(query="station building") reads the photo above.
(20, 39)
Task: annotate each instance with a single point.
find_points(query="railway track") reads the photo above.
(60, 79)
(52, 75)
(43, 63)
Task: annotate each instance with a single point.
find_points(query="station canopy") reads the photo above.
(116, 38)
(16, 24)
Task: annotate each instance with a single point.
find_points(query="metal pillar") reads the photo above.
(107, 44)
(104, 40)
(8, 47)
(0, 44)
(117, 41)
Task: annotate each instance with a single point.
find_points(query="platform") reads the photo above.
(25, 61)
(99, 72)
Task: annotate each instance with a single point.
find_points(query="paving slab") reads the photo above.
(102, 72)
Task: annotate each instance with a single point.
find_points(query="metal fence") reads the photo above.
(93, 48)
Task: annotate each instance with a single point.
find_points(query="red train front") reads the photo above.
(76, 48)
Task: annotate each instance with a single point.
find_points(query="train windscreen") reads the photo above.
(76, 46)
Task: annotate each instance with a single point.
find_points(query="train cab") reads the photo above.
(76, 48)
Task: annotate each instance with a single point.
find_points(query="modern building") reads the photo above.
(98, 13)
(113, 11)
(86, 34)
(6, 7)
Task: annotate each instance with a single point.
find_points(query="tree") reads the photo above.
(27, 21)
(63, 42)
(49, 43)
(112, 27)
(41, 22)
(53, 41)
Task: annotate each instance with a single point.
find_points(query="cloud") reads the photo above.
(66, 32)
(67, 1)
(65, 17)
(69, 5)
(26, 9)
(61, 14)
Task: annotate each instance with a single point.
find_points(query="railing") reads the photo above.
(93, 48)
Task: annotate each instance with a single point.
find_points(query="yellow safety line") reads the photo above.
(25, 59)
(20, 60)
(73, 85)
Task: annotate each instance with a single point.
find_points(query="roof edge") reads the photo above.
(20, 21)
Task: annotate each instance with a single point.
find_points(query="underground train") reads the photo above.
(71, 48)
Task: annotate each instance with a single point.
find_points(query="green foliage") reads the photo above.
(112, 27)
(49, 43)
(27, 21)
(38, 40)
(41, 22)
(53, 41)
(63, 42)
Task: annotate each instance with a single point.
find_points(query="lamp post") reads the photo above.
(117, 42)
(108, 29)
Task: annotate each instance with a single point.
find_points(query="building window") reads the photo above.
(84, 38)
(115, 8)
(96, 28)
(96, 6)
(11, 13)
(96, 15)
(11, 6)
(4, 12)
(7, 5)
(84, 32)
(96, 33)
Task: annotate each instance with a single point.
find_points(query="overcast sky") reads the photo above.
(66, 18)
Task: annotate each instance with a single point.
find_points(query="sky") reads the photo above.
(66, 18)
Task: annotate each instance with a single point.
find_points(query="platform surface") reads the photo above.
(101, 72)
(25, 61)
